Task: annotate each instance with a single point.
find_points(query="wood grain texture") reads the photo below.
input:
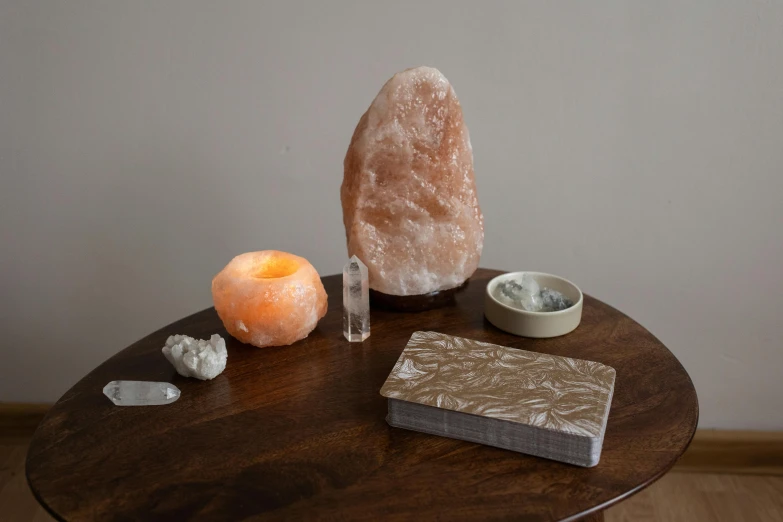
(700, 497)
(676, 497)
(298, 432)
(722, 451)
(711, 451)
(593, 517)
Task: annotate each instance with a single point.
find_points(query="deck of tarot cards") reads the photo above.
(544, 405)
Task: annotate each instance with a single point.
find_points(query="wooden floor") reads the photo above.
(708, 497)
(686, 497)
(16, 501)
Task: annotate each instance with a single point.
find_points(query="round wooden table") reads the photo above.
(298, 432)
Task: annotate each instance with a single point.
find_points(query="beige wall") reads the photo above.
(634, 147)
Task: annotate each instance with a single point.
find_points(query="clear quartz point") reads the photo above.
(356, 301)
(141, 393)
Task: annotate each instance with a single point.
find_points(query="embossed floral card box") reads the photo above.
(539, 404)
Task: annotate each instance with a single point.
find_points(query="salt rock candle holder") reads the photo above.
(269, 298)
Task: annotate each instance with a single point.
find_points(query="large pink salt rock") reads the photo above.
(409, 195)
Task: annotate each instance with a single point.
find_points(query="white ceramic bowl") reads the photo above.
(534, 324)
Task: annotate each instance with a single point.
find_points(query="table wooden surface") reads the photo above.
(298, 432)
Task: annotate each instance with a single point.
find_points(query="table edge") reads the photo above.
(571, 518)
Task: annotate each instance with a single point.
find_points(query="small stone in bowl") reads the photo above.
(526, 294)
(521, 293)
(553, 301)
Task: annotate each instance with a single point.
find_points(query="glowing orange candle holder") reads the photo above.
(269, 298)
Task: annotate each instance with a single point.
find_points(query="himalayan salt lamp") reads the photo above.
(409, 200)
(269, 298)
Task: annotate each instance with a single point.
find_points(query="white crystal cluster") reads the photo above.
(525, 293)
(195, 357)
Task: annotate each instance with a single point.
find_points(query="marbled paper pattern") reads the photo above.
(541, 390)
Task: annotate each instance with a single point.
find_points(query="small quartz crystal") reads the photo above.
(141, 393)
(526, 294)
(356, 301)
(521, 293)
